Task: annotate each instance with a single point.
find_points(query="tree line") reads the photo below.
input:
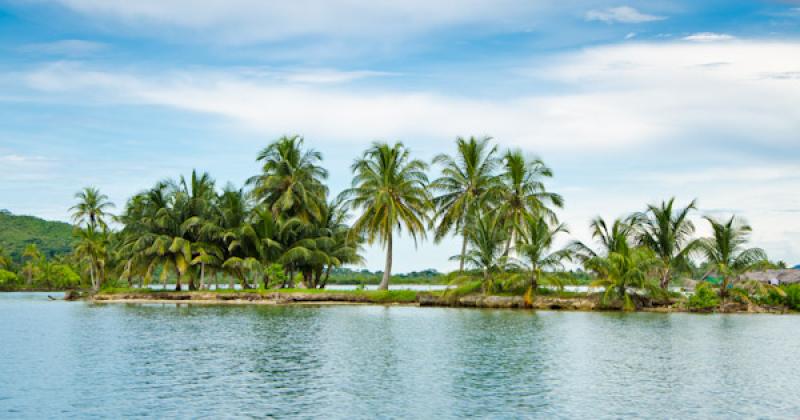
(284, 228)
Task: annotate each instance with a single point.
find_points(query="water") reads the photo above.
(73, 359)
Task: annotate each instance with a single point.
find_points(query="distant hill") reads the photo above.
(16, 232)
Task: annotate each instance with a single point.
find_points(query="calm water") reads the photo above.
(72, 359)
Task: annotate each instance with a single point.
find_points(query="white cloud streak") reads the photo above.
(708, 37)
(622, 14)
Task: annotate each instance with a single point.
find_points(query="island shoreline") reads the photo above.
(588, 303)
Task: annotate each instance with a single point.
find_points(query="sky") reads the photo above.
(629, 102)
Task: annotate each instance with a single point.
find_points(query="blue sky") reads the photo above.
(630, 102)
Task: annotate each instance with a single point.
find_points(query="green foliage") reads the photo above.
(667, 231)
(726, 253)
(61, 276)
(276, 274)
(625, 272)
(16, 232)
(704, 298)
(8, 280)
(792, 298)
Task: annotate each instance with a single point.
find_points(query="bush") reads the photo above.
(704, 298)
(792, 299)
(8, 280)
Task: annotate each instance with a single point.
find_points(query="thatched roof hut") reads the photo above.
(785, 276)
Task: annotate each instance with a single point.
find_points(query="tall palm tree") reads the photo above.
(725, 251)
(668, 232)
(534, 247)
(92, 207)
(92, 247)
(467, 180)
(291, 179)
(390, 189)
(524, 194)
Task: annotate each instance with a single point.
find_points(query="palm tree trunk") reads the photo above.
(509, 241)
(178, 281)
(318, 277)
(387, 270)
(327, 275)
(463, 252)
(128, 270)
(202, 275)
(665, 279)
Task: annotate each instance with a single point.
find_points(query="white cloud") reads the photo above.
(622, 14)
(65, 47)
(330, 76)
(623, 95)
(708, 37)
(630, 35)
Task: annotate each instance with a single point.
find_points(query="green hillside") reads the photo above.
(16, 232)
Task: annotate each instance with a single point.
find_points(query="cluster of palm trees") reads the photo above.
(659, 244)
(185, 229)
(284, 224)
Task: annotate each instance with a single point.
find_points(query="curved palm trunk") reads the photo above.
(665, 278)
(534, 280)
(178, 281)
(463, 252)
(387, 270)
(202, 275)
(327, 276)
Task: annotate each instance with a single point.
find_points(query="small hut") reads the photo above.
(784, 276)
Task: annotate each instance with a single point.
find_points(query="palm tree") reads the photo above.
(390, 189)
(291, 179)
(91, 208)
(487, 236)
(726, 253)
(92, 247)
(667, 231)
(534, 247)
(343, 247)
(624, 271)
(524, 194)
(31, 256)
(467, 180)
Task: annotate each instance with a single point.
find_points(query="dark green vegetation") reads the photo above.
(284, 229)
(52, 239)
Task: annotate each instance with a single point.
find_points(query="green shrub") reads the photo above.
(8, 280)
(704, 297)
(792, 298)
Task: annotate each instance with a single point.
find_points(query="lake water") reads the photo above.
(73, 359)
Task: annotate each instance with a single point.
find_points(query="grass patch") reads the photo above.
(377, 296)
